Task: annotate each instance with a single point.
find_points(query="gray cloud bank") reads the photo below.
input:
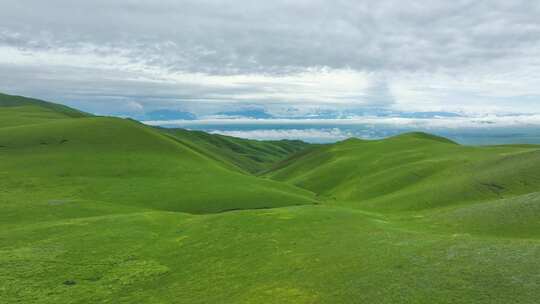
(204, 57)
(266, 36)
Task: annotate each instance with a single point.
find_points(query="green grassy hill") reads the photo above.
(251, 155)
(413, 172)
(108, 210)
(123, 162)
(18, 110)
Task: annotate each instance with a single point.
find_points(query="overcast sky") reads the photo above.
(134, 56)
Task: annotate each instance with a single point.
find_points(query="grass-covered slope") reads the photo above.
(309, 254)
(250, 155)
(413, 171)
(53, 154)
(18, 110)
(513, 217)
(123, 162)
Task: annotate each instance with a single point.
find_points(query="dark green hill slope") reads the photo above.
(251, 155)
(414, 171)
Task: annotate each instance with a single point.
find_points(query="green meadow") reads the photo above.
(108, 210)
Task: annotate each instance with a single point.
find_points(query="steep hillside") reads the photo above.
(413, 171)
(250, 155)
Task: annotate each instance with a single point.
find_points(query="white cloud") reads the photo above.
(134, 106)
(310, 135)
(479, 122)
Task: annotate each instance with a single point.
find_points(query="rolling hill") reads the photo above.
(123, 162)
(253, 156)
(108, 210)
(412, 172)
(18, 110)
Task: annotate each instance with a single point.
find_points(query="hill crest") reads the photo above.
(16, 101)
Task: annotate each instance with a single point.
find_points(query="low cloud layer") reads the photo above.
(488, 129)
(457, 122)
(129, 57)
(309, 135)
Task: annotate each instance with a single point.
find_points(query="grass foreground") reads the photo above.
(107, 210)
